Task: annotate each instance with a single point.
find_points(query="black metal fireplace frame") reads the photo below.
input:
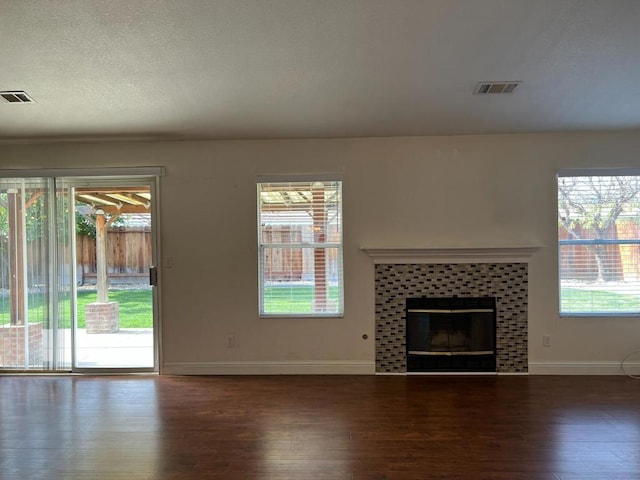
(452, 362)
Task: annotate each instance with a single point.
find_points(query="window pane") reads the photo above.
(302, 280)
(599, 244)
(300, 236)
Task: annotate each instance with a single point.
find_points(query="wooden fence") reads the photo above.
(293, 264)
(283, 264)
(579, 261)
(128, 256)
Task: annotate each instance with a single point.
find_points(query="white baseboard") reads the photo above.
(448, 374)
(404, 374)
(580, 368)
(326, 367)
(338, 367)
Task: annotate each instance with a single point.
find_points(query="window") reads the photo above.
(300, 248)
(599, 243)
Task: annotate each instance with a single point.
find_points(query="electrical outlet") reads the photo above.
(546, 340)
(231, 341)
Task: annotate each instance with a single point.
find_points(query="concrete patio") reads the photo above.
(127, 348)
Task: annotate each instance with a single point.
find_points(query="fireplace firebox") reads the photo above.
(456, 334)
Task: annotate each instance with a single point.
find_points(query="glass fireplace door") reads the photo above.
(451, 334)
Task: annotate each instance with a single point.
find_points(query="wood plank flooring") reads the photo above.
(319, 427)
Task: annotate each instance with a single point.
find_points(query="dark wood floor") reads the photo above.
(319, 427)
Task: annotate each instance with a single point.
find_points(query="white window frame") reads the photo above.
(591, 172)
(305, 179)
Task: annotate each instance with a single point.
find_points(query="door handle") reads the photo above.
(153, 276)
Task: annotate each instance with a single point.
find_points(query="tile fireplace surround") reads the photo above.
(500, 273)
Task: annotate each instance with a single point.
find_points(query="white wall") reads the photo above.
(462, 191)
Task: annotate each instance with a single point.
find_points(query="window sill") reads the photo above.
(601, 315)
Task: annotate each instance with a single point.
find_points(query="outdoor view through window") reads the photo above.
(300, 248)
(599, 244)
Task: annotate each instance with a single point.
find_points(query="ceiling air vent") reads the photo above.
(489, 88)
(17, 96)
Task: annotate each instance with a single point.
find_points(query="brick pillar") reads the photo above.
(12, 351)
(102, 317)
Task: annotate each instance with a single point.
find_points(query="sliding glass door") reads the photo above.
(114, 258)
(76, 259)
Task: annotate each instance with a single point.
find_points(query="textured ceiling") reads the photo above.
(316, 68)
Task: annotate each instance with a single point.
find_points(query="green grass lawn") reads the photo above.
(298, 299)
(576, 300)
(135, 308)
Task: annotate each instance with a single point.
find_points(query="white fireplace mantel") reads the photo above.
(428, 255)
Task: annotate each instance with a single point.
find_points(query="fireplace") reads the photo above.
(396, 281)
(451, 334)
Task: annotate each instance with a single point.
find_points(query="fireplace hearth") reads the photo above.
(451, 334)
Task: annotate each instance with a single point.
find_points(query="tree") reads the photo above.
(591, 205)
